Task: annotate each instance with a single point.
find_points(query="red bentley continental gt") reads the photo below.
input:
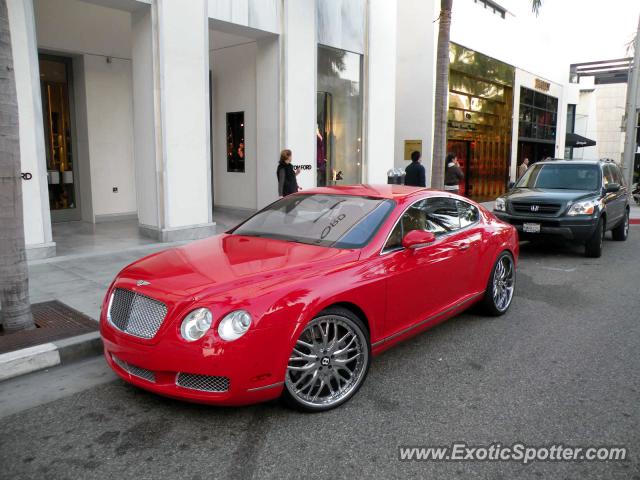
(296, 301)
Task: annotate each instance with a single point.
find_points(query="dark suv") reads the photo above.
(575, 199)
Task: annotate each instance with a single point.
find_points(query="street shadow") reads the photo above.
(553, 247)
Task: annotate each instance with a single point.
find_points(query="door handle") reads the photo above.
(464, 246)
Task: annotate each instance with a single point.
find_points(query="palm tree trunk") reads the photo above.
(442, 96)
(14, 275)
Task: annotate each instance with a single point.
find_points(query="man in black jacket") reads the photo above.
(414, 173)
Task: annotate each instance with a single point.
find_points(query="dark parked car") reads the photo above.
(578, 200)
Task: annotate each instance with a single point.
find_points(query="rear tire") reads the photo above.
(593, 247)
(501, 286)
(621, 232)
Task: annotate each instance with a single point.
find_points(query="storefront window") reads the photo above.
(235, 142)
(538, 115)
(54, 82)
(339, 122)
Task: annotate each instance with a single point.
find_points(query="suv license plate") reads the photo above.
(531, 227)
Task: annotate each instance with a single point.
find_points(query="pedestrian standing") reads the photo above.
(524, 166)
(414, 173)
(287, 183)
(452, 174)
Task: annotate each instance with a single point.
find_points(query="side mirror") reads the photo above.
(612, 188)
(510, 185)
(418, 238)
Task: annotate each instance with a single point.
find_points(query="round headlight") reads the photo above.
(196, 324)
(234, 325)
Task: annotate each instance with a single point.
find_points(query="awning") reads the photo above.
(578, 141)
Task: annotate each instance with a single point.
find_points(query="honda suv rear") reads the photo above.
(573, 199)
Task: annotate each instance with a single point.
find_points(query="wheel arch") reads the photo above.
(353, 308)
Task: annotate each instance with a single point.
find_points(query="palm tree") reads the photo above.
(442, 91)
(14, 275)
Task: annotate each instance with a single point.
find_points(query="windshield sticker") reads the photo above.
(327, 230)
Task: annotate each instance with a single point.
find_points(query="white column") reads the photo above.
(144, 119)
(35, 194)
(184, 90)
(299, 89)
(415, 78)
(176, 203)
(267, 114)
(381, 85)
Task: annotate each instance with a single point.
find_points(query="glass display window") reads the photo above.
(55, 87)
(235, 142)
(339, 117)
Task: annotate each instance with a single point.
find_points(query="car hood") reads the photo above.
(225, 262)
(542, 195)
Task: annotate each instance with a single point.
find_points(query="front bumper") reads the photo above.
(253, 373)
(570, 228)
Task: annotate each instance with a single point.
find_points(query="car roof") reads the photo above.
(376, 191)
(563, 161)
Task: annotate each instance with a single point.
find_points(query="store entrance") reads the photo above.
(56, 85)
(462, 150)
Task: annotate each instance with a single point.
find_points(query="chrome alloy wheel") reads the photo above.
(503, 283)
(328, 362)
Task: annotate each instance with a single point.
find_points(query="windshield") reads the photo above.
(341, 221)
(561, 177)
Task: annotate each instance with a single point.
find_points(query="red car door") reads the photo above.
(423, 282)
(469, 240)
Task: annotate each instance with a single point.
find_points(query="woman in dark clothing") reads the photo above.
(287, 183)
(452, 174)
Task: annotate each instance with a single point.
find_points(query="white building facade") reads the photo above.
(597, 107)
(164, 110)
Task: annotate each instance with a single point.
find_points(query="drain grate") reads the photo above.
(54, 320)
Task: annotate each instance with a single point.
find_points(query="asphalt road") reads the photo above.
(561, 367)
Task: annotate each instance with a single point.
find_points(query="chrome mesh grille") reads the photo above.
(143, 373)
(204, 383)
(136, 314)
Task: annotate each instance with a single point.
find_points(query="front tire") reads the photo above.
(329, 362)
(499, 293)
(621, 232)
(593, 247)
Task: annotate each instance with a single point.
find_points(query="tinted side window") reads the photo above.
(395, 239)
(607, 175)
(617, 175)
(436, 215)
(442, 215)
(468, 214)
(413, 219)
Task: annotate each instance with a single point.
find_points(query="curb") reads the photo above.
(47, 355)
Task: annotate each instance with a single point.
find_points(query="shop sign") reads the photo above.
(542, 85)
(411, 146)
(470, 127)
